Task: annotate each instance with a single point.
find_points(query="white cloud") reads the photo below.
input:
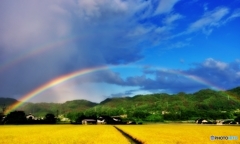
(170, 19)
(162, 32)
(209, 20)
(67, 36)
(139, 31)
(211, 63)
(26, 24)
(107, 9)
(89, 7)
(179, 44)
(162, 29)
(165, 6)
(234, 15)
(104, 31)
(238, 74)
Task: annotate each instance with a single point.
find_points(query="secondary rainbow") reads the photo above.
(72, 75)
(35, 51)
(52, 83)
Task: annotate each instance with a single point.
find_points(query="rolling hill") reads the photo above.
(202, 100)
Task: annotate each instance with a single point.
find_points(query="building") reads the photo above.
(30, 117)
(101, 121)
(89, 121)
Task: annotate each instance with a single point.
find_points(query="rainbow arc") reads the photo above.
(78, 73)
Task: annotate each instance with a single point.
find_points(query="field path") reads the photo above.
(118, 134)
(131, 139)
(181, 133)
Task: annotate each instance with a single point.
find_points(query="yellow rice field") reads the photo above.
(107, 134)
(60, 134)
(181, 133)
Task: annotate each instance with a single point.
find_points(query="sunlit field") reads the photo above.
(60, 134)
(180, 133)
(149, 134)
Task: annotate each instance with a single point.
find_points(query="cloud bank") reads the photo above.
(42, 40)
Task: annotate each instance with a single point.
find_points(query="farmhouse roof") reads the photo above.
(89, 120)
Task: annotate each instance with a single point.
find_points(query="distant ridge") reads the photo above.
(7, 101)
(235, 90)
(202, 99)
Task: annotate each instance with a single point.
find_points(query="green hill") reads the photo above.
(40, 109)
(60, 108)
(189, 105)
(7, 101)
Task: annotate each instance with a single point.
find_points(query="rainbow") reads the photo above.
(34, 51)
(72, 75)
(192, 77)
(200, 80)
(50, 84)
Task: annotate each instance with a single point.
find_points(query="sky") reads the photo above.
(131, 46)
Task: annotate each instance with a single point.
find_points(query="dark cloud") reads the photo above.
(208, 74)
(221, 74)
(99, 32)
(165, 81)
(42, 40)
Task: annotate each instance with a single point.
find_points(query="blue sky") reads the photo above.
(151, 46)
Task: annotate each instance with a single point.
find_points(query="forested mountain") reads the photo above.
(203, 103)
(235, 91)
(40, 109)
(7, 101)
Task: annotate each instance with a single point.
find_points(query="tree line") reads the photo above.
(19, 117)
(207, 103)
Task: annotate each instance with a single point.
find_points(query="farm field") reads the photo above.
(108, 134)
(60, 134)
(180, 133)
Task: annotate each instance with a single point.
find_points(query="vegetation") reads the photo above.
(148, 134)
(6, 101)
(19, 117)
(40, 109)
(61, 134)
(179, 133)
(207, 103)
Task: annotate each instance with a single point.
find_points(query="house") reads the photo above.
(202, 121)
(89, 121)
(165, 112)
(109, 120)
(63, 119)
(131, 122)
(30, 117)
(101, 120)
(117, 118)
(123, 116)
(227, 121)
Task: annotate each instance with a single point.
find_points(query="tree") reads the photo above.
(50, 118)
(154, 118)
(16, 117)
(1, 118)
(73, 115)
(187, 114)
(140, 114)
(237, 119)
